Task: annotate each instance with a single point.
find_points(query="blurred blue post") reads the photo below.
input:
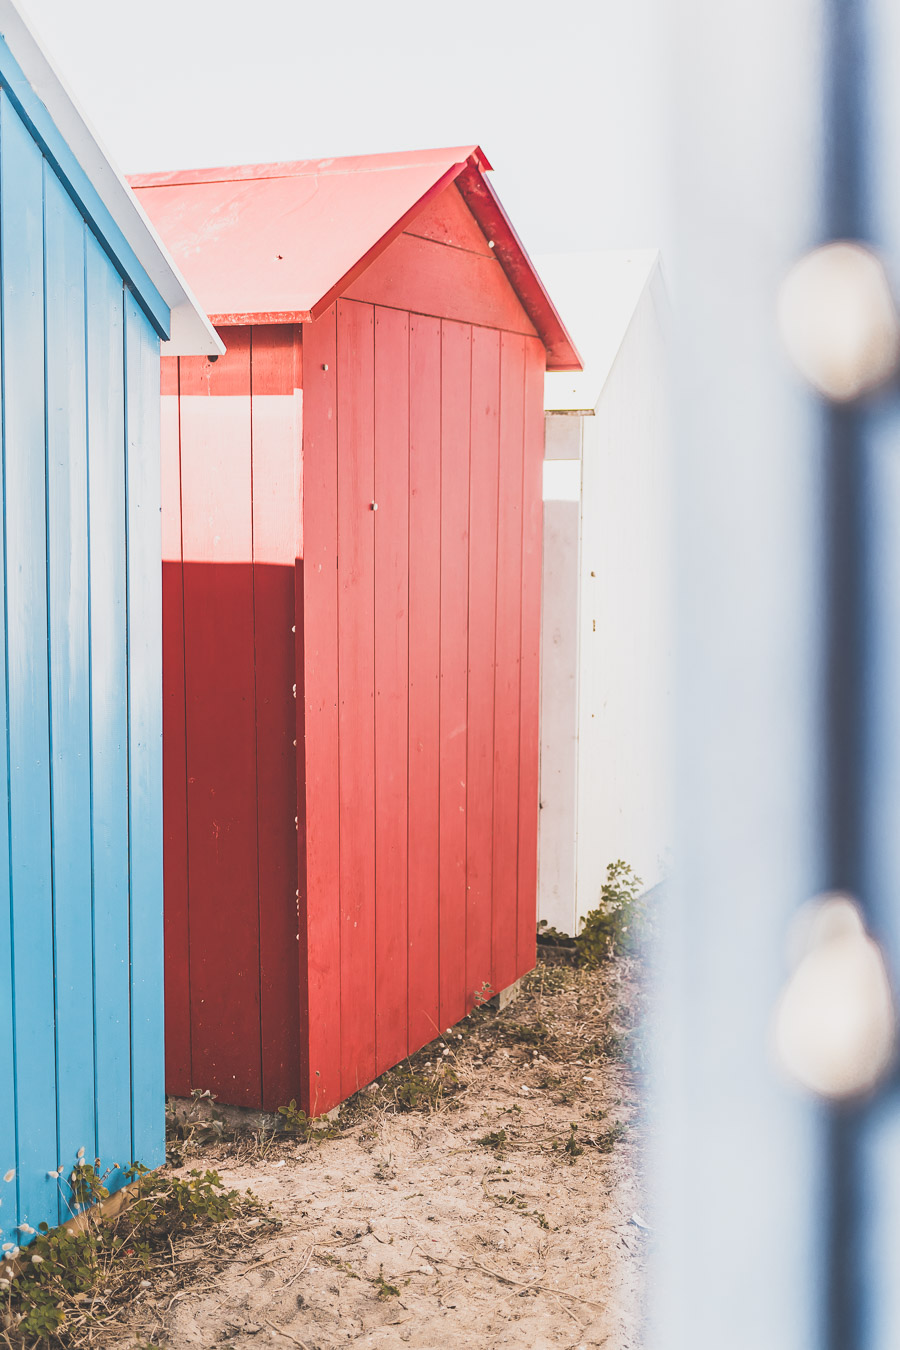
(780, 1217)
(741, 1154)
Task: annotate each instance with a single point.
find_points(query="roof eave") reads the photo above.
(481, 199)
(191, 332)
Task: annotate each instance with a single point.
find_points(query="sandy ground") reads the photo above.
(482, 1220)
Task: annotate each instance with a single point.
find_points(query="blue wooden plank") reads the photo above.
(64, 244)
(145, 730)
(21, 242)
(109, 707)
(8, 1193)
(81, 188)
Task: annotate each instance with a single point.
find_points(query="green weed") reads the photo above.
(412, 1090)
(296, 1122)
(67, 1278)
(607, 1140)
(382, 1288)
(495, 1140)
(615, 927)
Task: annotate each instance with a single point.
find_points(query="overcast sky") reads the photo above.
(563, 96)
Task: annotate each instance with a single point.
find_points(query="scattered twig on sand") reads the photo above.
(521, 1284)
(279, 1256)
(307, 1257)
(286, 1334)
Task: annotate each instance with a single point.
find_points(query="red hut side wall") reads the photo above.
(231, 538)
(423, 396)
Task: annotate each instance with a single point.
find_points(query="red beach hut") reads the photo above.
(352, 569)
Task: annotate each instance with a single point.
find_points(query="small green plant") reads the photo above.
(87, 1185)
(382, 1288)
(385, 1170)
(201, 1123)
(616, 926)
(552, 937)
(412, 1090)
(296, 1122)
(330, 1259)
(607, 1140)
(546, 979)
(535, 1033)
(495, 1139)
(572, 1146)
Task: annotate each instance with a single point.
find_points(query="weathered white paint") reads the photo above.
(605, 655)
(562, 479)
(559, 712)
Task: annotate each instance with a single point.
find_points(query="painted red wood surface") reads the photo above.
(483, 502)
(175, 826)
(529, 690)
(456, 383)
(391, 682)
(276, 546)
(507, 651)
(320, 932)
(424, 675)
(356, 688)
(448, 220)
(334, 907)
(217, 541)
(426, 276)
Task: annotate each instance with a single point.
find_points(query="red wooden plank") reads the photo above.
(507, 657)
(424, 676)
(456, 380)
(452, 283)
(276, 546)
(391, 682)
(300, 826)
(220, 723)
(175, 849)
(356, 688)
(532, 516)
(320, 930)
(483, 488)
(448, 220)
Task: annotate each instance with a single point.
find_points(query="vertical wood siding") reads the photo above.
(276, 545)
(80, 844)
(435, 841)
(409, 875)
(175, 819)
(424, 694)
(231, 521)
(391, 666)
(456, 414)
(320, 911)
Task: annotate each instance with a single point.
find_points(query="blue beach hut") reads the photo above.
(87, 294)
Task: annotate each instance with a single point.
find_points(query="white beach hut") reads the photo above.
(605, 668)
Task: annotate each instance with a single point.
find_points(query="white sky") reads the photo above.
(562, 95)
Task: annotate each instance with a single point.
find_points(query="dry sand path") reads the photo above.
(480, 1219)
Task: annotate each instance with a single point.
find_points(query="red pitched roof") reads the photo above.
(278, 243)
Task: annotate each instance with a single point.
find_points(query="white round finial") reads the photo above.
(835, 1024)
(838, 321)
